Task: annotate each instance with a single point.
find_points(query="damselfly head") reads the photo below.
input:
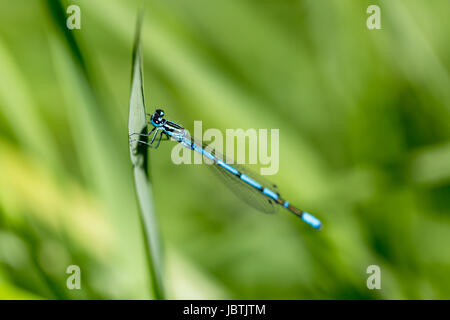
(157, 117)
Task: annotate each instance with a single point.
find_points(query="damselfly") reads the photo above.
(250, 187)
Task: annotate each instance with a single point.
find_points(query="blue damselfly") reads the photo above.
(249, 186)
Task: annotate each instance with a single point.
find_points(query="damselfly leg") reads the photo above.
(154, 133)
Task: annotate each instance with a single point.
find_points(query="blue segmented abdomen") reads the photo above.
(271, 197)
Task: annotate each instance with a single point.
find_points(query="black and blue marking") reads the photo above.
(178, 133)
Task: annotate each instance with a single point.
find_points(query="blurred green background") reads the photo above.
(364, 145)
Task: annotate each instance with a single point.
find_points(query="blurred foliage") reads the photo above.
(364, 145)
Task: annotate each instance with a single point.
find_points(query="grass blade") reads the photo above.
(139, 157)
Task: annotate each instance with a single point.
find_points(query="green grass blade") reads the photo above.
(139, 155)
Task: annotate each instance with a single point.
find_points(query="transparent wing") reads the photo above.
(245, 192)
(241, 189)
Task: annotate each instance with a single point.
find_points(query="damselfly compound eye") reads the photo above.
(157, 117)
